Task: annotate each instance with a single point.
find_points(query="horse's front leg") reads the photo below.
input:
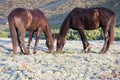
(86, 45)
(37, 40)
(29, 41)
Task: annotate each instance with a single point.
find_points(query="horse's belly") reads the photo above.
(92, 26)
(32, 28)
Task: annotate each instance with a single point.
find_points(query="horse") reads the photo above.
(21, 20)
(81, 19)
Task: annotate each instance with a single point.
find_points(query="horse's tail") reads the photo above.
(111, 29)
(13, 32)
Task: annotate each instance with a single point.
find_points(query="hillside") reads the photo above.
(55, 10)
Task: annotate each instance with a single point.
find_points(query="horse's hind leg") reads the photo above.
(22, 36)
(19, 42)
(37, 40)
(86, 45)
(29, 41)
(107, 38)
(14, 41)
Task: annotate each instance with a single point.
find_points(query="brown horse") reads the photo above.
(81, 19)
(22, 20)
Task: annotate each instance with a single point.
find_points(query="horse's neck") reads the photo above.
(64, 29)
(48, 33)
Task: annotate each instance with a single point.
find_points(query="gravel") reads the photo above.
(70, 65)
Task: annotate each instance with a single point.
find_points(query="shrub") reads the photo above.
(117, 33)
(90, 34)
(94, 34)
(3, 34)
(72, 34)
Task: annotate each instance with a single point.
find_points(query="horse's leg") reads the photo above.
(37, 39)
(106, 43)
(14, 42)
(22, 36)
(29, 41)
(19, 42)
(86, 45)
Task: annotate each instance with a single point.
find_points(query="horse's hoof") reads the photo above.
(27, 53)
(84, 51)
(51, 51)
(87, 50)
(23, 53)
(102, 52)
(34, 52)
(14, 53)
(59, 51)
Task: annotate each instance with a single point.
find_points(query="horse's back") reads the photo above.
(38, 17)
(36, 13)
(84, 18)
(90, 18)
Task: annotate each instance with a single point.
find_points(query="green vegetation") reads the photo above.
(90, 34)
(3, 34)
(117, 33)
(72, 34)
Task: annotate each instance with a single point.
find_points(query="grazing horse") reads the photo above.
(81, 19)
(22, 20)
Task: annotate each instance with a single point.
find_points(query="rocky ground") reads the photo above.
(71, 65)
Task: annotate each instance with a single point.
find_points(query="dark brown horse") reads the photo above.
(81, 19)
(22, 20)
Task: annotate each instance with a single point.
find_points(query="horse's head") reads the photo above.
(50, 45)
(60, 43)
